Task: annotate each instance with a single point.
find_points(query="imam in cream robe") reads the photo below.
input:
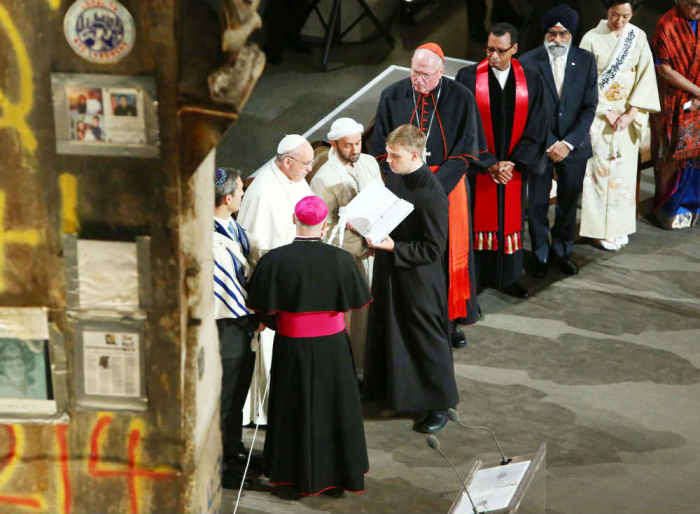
(608, 202)
(338, 183)
(266, 215)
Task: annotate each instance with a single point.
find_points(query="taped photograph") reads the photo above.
(105, 115)
(24, 369)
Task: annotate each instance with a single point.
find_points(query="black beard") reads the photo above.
(348, 159)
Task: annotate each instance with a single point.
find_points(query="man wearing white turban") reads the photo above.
(267, 216)
(346, 173)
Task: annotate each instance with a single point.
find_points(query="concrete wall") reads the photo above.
(90, 461)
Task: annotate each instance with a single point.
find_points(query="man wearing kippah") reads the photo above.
(571, 93)
(315, 440)
(446, 113)
(266, 214)
(337, 182)
(234, 321)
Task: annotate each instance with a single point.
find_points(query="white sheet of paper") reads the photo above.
(375, 212)
(493, 488)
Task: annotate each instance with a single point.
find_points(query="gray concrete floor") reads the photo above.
(603, 366)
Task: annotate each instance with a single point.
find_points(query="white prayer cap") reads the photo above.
(289, 143)
(343, 127)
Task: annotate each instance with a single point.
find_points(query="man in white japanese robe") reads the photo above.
(337, 182)
(267, 216)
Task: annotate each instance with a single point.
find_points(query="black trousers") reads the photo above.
(237, 361)
(569, 186)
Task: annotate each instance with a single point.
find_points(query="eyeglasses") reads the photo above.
(554, 33)
(500, 51)
(306, 164)
(421, 75)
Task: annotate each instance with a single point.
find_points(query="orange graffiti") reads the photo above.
(15, 436)
(132, 472)
(65, 495)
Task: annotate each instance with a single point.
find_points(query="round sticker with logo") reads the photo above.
(99, 30)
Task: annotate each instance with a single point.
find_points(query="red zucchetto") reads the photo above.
(433, 47)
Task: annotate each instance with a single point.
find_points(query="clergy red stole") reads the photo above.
(310, 324)
(486, 194)
(677, 45)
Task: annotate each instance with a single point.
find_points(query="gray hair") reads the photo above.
(225, 183)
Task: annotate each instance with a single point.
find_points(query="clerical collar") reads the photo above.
(307, 238)
(501, 76)
(417, 176)
(422, 165)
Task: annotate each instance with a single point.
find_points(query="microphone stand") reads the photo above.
(434, 443)
(454, 416)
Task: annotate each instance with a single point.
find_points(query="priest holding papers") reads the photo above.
(337, 182)
(446, 113)
(266, 215)
(408, 364)
(316, 439)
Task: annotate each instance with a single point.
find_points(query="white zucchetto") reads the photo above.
(289, 143)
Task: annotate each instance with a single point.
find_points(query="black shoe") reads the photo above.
(517, 290)
(458, 339)
(567, 266)
(240, 459)
(334, 492)
(541, 269)
(434, 421)
(231, 478)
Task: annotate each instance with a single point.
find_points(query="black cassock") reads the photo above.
(315, 438)
(408, 360)
(498, 268)
(455, 140)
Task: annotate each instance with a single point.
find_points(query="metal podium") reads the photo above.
(517, 487)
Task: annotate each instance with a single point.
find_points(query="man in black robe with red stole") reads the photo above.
(408, 359)
(511, 103)
(315, 439)
(455, 139)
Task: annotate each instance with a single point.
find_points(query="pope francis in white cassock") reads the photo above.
(337, 182)
(266, 215)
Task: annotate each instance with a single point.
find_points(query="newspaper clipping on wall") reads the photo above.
(111, 363)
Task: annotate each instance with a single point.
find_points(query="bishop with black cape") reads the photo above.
(315, 438)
